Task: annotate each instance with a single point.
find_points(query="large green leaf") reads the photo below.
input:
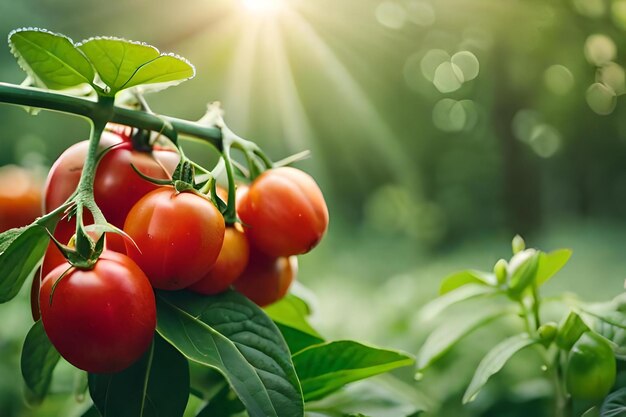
(39, 358)
(22, 250)
(494, 361)
(123, 64)
(325, 368)
(290, 315)
(222, 404)
(231, 334)
(551, 263)
(444, 337)
(570, 331)
(50, 59)
(461, 278)
(155, 386)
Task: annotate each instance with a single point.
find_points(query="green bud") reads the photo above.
(500, 271)
(518, 244)
(547, 333)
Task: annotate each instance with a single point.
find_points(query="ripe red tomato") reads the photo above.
(100, 320)
(179, 235)
(230, 263)
(284, 211)
(20, 197)
(117, 187)
(267, 279)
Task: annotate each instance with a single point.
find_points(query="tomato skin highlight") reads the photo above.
(267, 279)
(284, 212)
(100, 320)
(591, 368)
(230, 264)
(179, 236)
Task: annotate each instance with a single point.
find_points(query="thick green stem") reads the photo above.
(168, 126)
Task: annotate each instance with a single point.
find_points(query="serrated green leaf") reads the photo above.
(325, 368)
(123, 64)
(39, 358)
(614, 404)
(464, 293)
(234, 336)
(290, 314)
(23, 250)
(50, 59)
(494, 361)
(445, 336)
(550, 264)
(461, 278)
(157, 385)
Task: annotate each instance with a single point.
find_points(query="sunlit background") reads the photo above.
(438, 128)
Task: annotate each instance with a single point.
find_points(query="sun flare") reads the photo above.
(263, 7)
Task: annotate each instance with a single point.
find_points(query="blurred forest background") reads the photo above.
(439, 129)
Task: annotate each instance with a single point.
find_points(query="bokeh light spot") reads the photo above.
(601, 98)
(545, 140)
(590, 8)
(600, 49)
(613, 76)
(448, 77)
(391, 15)
(618, 13)
(454, 116)
(558, 79)
(431, 61)
(467, 63)
(420, 13)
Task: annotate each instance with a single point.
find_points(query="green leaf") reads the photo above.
(22, 250)
(234, 336)
(524, 274)
(551, 263)
(461, 278)
(494, 361)
(570, 331)
(39, 358)
(156, 385)
(123, 64)
(444, 337)
(464, 293)
(325, 368)
(290, 314)
(614, 404)
(50, 59)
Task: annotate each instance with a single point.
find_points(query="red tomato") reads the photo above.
(20, 197)
(117, 187)
(179, 235)
(100, 320)
(267, 279)
(284, 212)
(230, 263)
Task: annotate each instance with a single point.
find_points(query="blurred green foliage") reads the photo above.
(438, 129)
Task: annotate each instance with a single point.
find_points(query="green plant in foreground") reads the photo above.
(578, 355)
(232, 356)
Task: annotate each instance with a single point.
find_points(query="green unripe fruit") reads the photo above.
(591, 368)
(547, 333)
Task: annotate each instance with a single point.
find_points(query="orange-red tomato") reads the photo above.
(179, 236)
(267, 279)
(100, 320)
(231, 262)
(284, 212)
(20, 197)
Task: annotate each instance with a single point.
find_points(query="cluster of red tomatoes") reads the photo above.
(102, 319)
